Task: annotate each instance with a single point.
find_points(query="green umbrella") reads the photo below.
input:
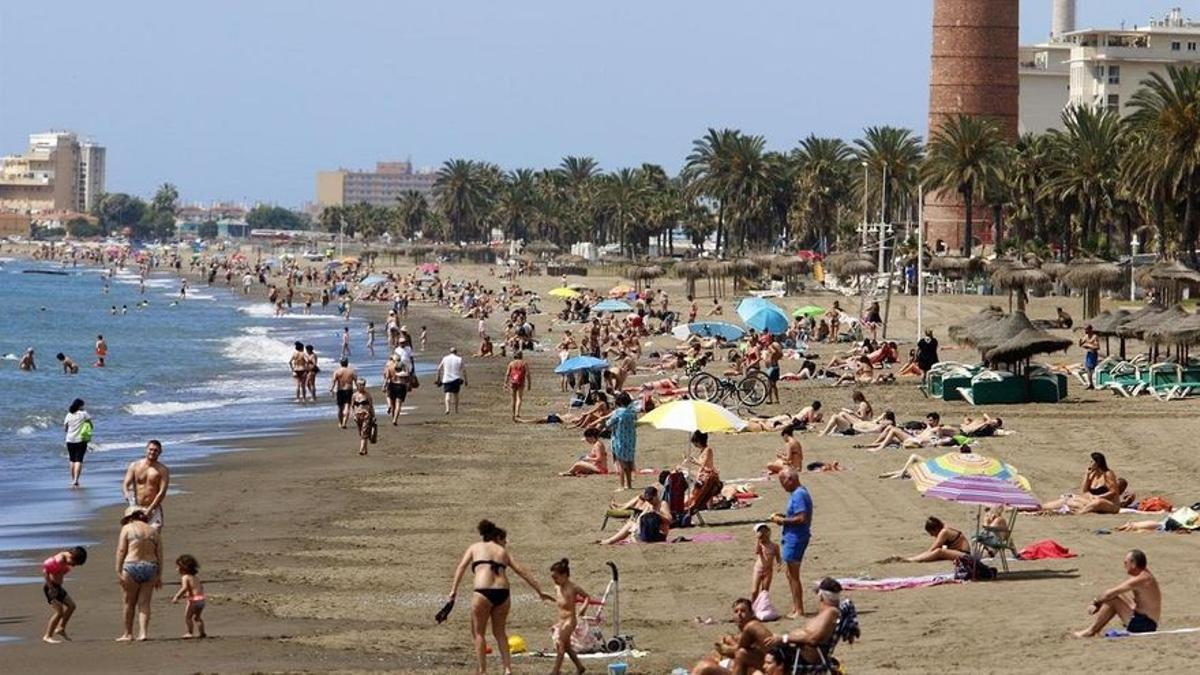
(808, 310)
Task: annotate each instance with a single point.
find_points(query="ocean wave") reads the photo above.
(267, 311)
(257, 348)
(27, 430)
(172, 407)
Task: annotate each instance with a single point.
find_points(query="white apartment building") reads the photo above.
(1099, 67)
(56, 173)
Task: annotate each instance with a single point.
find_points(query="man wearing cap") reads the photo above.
(817, 630)
(796, 525)
(1090, 343)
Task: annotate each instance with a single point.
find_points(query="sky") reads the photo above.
(246, 100)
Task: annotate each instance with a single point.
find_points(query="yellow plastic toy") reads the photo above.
(516, 644)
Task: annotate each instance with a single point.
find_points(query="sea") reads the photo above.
(194, 372)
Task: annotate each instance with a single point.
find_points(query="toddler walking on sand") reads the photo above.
(766, 560)
(564, 629)
(189, 585)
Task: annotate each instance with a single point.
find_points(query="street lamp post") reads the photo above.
(1133, 251)
(866, 190)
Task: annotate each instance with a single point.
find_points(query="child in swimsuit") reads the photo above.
(189, 585)
(766, 560)
(54, 569)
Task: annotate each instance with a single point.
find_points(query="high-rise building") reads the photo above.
(56, 173)
(1098, 67)
(973, 72)
(381, 187)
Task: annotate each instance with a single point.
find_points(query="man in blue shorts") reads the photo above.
(1090, 343)
(796, 534)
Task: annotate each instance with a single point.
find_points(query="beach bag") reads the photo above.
(1185, 518)
(649, 527)
(413, 382)
(970, 568)
(85, 431)
(763, 609)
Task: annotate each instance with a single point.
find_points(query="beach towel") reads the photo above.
(1117, 633)
(1045, 549)
(700, 538)
(1154, 504)
(898, 583)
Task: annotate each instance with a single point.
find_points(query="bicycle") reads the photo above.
(751, 390)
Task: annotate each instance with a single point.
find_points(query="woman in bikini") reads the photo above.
(139, 561)
(1100, 491)
(848, 425)
(363, 408)
(948, 544)
(489, 561)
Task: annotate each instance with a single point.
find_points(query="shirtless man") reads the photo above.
(739, 654)
(146, 482)
(1090, 343)
(68, 364)
(27, 362)
(1140, 616)
(341, 385)
(792, 454)
(771, 358)
(817, 630)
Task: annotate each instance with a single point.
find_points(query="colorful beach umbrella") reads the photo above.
(428, 268)
(808, 310)
(611, 306)
(373, 280)
(934, 471)
(725, 331)
(763, 315)
(692, 416)
(578, 363)
(984, 491)
(564, 293)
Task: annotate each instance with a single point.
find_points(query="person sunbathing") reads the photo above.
(948, 544)
(849, 425)
(859, 372)
(1137, 601)
(911, 367)
(1100, 491)
(807, 416)
(791, 455)
(596, 416)
(808, 370)
(647, 506)
(1185, 519)
(817, 631)
(596, 460)
(981, 427)
(933, 435)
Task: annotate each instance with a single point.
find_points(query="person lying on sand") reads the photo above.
(807, 417)
(740, 654)
(1137, 600)
(1100, 492)
(980, 427)
(849, 425)
(934, 434)
(596, 460)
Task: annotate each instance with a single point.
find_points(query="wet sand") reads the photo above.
(318, 560)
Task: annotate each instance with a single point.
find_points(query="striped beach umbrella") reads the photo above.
(984, 491)
(934, 471)
(692, 416)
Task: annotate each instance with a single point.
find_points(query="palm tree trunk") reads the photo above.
(968, 193)
(1160, 226)
(720, 228)
(1189, 219)
(998, 228)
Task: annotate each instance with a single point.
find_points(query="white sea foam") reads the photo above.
(26, 430)
(256, 348)
(172, 407)
(267, 311)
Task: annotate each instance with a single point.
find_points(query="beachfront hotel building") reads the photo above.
(381, 187)
(1098, 67)
(56, 173)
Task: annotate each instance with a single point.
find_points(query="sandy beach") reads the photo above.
(316, 560)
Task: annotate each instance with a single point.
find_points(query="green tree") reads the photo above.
(166, 199)
(264, 217)
(1085, 163)
(896, 152)
(963, 155)
(707, 171)
(412, 211)
(461, 194)
(824, 168)
(1166, 113)
(118, 211)
(208, 230)
(82, 228)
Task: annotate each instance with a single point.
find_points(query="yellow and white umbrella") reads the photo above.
(564, 293)
(692, 416)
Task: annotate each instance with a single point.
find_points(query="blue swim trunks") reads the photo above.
(793, 550)
(1090, 360)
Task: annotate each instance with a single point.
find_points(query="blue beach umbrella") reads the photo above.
(762, 315)
(373, 280)
(611, 306)
(717, 329)
(578, 363)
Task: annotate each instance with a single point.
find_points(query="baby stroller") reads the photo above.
(589, 631)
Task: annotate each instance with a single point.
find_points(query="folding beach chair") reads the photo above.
(1000, 542)
(847, 629)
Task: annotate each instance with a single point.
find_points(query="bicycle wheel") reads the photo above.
(704, 387)
(753, 389)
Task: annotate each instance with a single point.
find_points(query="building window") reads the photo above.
(1175, 46)
(1114, 103)
(1191, 46)
(1114, 74)
(1098, 72)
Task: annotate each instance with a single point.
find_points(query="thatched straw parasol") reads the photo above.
(541, 246)
(1025, 344)
(1137, 327)
(690, 271)
(1054, 269)
(1105, 323)
(1092, 275)
(1185, 331)
(858, 266)
(987, 314)
(955, 265)
(571, 259)
(1168, 324)
(834, 261)
(1016, 275)
(1168, 278)
(765, 261)
(992, 334)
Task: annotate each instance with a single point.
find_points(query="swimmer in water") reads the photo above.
(69, 366)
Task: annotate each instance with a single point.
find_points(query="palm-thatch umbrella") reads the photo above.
(1105, 325)
(955, 265)
(690, 271)
(640, 273)
(744, 268)
(834, 261)
(419, 250)
(1138, 324)
(1019, 276)
(1019, 348)
(992, 334)
(1168, 278)
(1092, 275)
(1054, 269)
(718, 272)
(960, 332)
(791, 267)
(1183, 334)
(541, 247)
(856, 267)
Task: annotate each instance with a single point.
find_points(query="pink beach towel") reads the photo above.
(898, 583)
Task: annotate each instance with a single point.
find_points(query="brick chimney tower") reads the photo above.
(974, 72)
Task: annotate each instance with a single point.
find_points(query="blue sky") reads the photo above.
(246, 100)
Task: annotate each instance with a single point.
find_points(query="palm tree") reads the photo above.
(707, 170)
(580, 191)
(823, 182)
(624, 199)
(963, 155)
(516, 204)
(1084, 165)
(1167, 111)
(461, 194)
(1025, 175)
(747, 184)
(412, 210)
(332, 217)
(895, 151)
(783, 171)
(1146, 181)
